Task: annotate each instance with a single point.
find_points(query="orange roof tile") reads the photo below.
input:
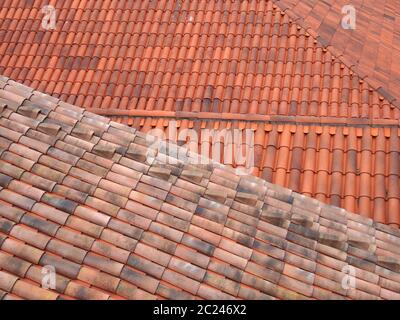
(353, 167)
(192, 57)
(117, 219)
(371, 49)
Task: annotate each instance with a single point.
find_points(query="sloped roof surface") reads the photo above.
(78, 193)
(372, 49)
(244, 57)
(353, 167)
(224, 64)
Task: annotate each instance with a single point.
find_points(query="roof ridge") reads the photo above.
(335, 52)
(99, 202)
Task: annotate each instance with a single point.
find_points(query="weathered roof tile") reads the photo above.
(114, 227)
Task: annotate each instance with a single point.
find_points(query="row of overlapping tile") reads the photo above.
(121, 216)
(241, 57)
(161, 57)
(371, 49)
(356, 168)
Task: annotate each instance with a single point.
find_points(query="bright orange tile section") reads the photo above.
(244, 57)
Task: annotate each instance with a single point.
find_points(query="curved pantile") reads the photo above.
(118, 214)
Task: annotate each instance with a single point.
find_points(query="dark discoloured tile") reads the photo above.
(85, 293)
(14, 265)
(159, 242)
(59, 203)
(145, 265)
(6, 225)
(198, 244)
(42, 225)
(139, 279)
(172, 293)
(125, 228)
(5, 180)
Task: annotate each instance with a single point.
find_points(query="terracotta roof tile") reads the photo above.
(329, 163)
(236, 55)
(252, 81)
(115, 225)
(80, 291)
